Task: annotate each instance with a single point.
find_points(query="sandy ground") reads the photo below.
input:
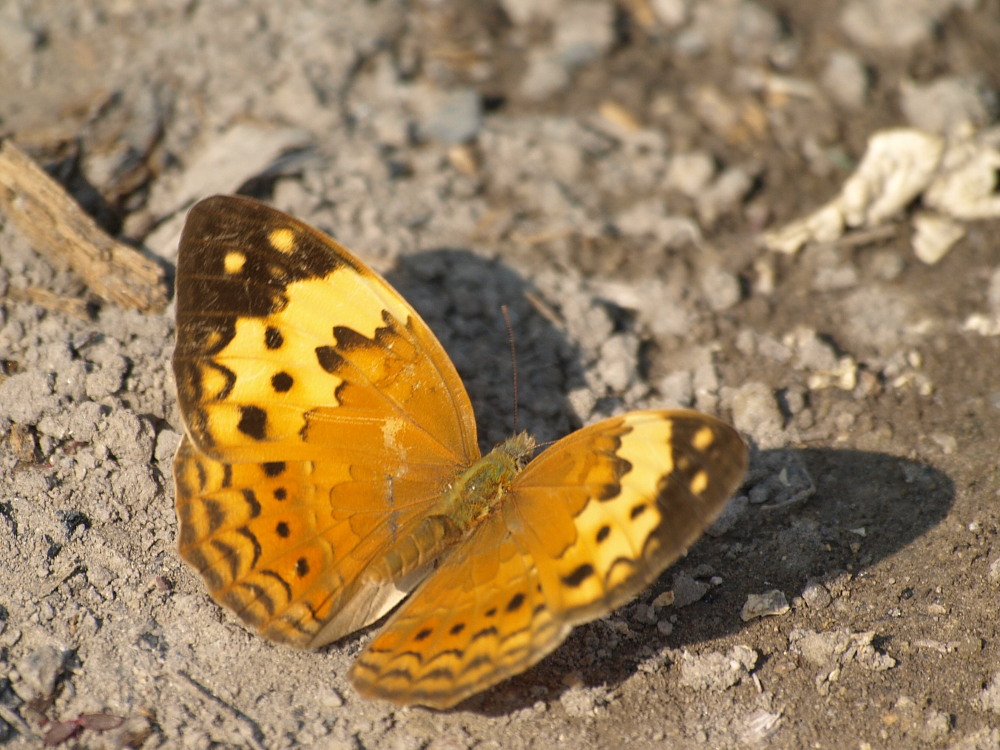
(605, 169)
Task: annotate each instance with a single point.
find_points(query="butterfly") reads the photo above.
(330, 467)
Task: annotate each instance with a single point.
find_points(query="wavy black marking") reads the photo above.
(250, 498)
(260, 596)
(245, 532)
(279, 579)
(229, 555)
(215, 514)
(485, 632)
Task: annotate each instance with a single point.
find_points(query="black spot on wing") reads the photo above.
(282, 382)
(273, 338)
(423, 634)
(515, 602)
(253, 422)
(273, 468)
(579, 575)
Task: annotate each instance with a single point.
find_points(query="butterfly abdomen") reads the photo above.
(416, 550)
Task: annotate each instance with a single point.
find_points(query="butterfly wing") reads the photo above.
(322, 419)
(586, 526)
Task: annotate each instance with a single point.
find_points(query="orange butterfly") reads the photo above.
(330, 466)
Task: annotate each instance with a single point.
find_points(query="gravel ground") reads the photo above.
(608, 170)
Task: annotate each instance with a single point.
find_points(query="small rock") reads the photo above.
(839, 647)
(580, 701)
(732, 515)
(688, 590)
(38, 672)
(457, 118)
(759, 726)
(811, 351)
(584, 32)
(128, 438)
(133, 732)
(523, 11)
(108, 378)
(889, 24)
(84, 419)
(989, 696)
(545, 76)
(816, 595)
(846, 79)
(25, 396)
(619, 362)
(664, 600)
(937, 725)
(676, 389)
(671, 13)
(994, 572)
(721, 288)
(715, 670)
(760, 605)
(944, 104)
(690, 173)
(725, 194)
(756, 412)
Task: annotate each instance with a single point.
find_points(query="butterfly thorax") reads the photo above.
(470, 498)
(479, 489)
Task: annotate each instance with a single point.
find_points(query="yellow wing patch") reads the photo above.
(330, 465)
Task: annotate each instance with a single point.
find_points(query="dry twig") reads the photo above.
(57, 226)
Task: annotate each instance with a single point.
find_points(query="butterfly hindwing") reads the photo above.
(586, 526)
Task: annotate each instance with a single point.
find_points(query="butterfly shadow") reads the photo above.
(839, 514)
(461, 297)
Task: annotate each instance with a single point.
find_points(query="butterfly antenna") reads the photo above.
(513, 357)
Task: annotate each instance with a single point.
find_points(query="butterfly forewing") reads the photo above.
(323, 419)
(585, 527)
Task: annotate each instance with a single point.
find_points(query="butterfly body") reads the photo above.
(330, 467)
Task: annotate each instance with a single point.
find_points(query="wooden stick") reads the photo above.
(57, 227)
